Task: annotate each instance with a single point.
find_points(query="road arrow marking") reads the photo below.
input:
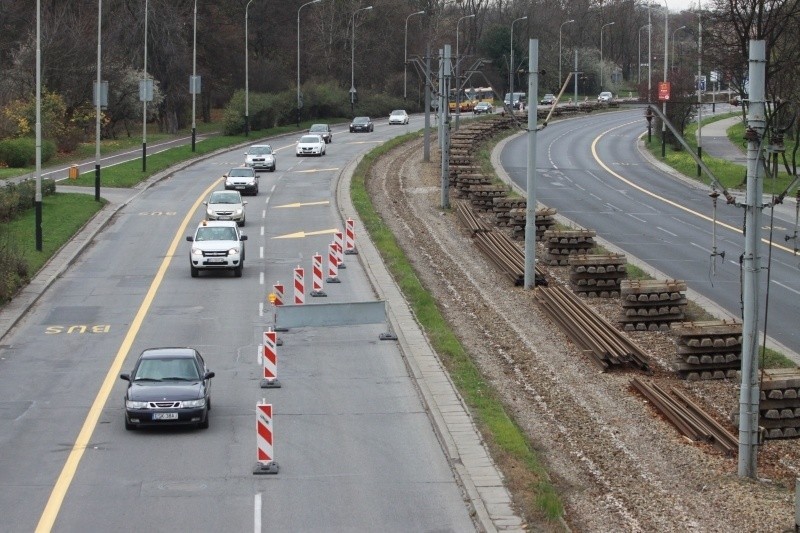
(298, 204)
(302, 234)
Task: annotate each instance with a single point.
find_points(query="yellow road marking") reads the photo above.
(665, 200)
(64, 480)
(302, 234)
(298, 204)
(315, 170)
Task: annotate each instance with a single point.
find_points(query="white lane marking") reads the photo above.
(262, 231)
(272, 190)
(260, 308)
(698, 246)
(266, 201)
(596, 197)
(263, 213)
(785, 287)
(613, 207)
(260, 278)
(665, 231)
(637, 218)
(257, 514)
(261, 252)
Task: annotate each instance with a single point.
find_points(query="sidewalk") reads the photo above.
(715, 143)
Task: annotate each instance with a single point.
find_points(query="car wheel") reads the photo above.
(204, 423)
(237, 271)
(240, 223)
(195, 272)
(208, 404)
(128, 425)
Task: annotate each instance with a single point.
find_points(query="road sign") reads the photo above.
(663, 91)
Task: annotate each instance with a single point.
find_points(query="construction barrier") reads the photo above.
(264, 440)
(333, 264)
(338, 238)
(269, 361)
(299, 286)
(317, 288)
(278, 290)
(350, 238)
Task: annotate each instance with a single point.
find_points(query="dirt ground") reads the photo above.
(617, 464)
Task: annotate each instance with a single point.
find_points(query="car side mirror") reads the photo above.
(190, 238)
(209, 375)
(244, 202)
(243, 237)
(205, 203)
(126, 377)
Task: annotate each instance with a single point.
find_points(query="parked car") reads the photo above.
(242, 179)
(548, 99)
(168, 386)
(216, 245)
(323, 130)
(605, 97)
(483, 108)
(311, 144)
(398, 116)
(260, 157)
(226, 205)
(361, 124)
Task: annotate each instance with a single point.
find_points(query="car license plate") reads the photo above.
(165, 416)
(224, 218)
(240, 186)
(216, 260)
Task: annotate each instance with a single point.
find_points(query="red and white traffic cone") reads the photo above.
(339, 240)
(299, 286)
(265, 463)
(350, 238)
(333, 264)
(317, 288)
(269, 361)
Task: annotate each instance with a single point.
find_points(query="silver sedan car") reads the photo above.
(226, 205)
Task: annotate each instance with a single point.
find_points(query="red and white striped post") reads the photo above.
(269, 361)
(350, 238)
(333, 264)
(278, 290)
(338, 238)
(299, 286)
(317, 288)
(264, 440)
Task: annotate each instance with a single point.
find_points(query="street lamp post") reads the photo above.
(672, 59)
(38, 194)
(601, 52)
(458, 71)
(246, 75)
(511, 67)
(97, 105)
(639, 75)
(666, 63)
(353, 60)
(405, 54)
(144, 96)
(193, 84)
(299, 97)
(559, 50)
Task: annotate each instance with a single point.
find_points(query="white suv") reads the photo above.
(605, 97)
(217, 244)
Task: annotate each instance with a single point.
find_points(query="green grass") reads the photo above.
(499, 429)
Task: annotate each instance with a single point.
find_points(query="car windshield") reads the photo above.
(398, 112)
(312, 139)
(319, 127)
(260, 150)
(167, 368)
(241, 173)
(225, 198)
(360, 120)
(211, 233)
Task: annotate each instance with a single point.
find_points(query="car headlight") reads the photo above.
(194, 403)
(239, 211)
(233, 251)
(197, 251)
(130, 404)
(210, 213)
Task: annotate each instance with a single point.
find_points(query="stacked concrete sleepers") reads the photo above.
(561, 244)
(651, 305)
(779, 408)
(708, 349)
(597, 275)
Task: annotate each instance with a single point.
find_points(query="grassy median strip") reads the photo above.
(510, 447)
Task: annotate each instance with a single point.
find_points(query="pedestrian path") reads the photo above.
(715, 142)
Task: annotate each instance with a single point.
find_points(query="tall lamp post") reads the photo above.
(246, 75)
(458, 70)
(299, 97)
(353, 60)
(38, 194)
(97, 105)
(601, 52)
(559, 50)
(666, 63)
(672, 59)
(144, 95)
(511, 67)
(405, 54)
(193, 84)
(639, 75)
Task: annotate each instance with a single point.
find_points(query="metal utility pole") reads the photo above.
(444, 125)
(530, 205)
(699, 87)
(38, 194)
(750, 395)
(97, 105)
(426, 135)
(666, 64)
(193, 84)
(575, 79)
(144, 95)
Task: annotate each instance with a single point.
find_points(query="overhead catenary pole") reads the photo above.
(649, 68)
(666, 64)
(38, 193)
(575, 78)
(426, 135)
(97, 105)
(530, 205)
(144, 95)
(699, 86)
(193, 84)
(444, 125)
(749, 394)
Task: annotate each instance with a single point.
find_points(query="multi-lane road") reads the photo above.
(592, 172)
(353, 439)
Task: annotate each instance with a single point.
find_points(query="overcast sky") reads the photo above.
(678, 5)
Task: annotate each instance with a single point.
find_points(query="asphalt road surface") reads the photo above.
(355, 446)
(591, 171)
